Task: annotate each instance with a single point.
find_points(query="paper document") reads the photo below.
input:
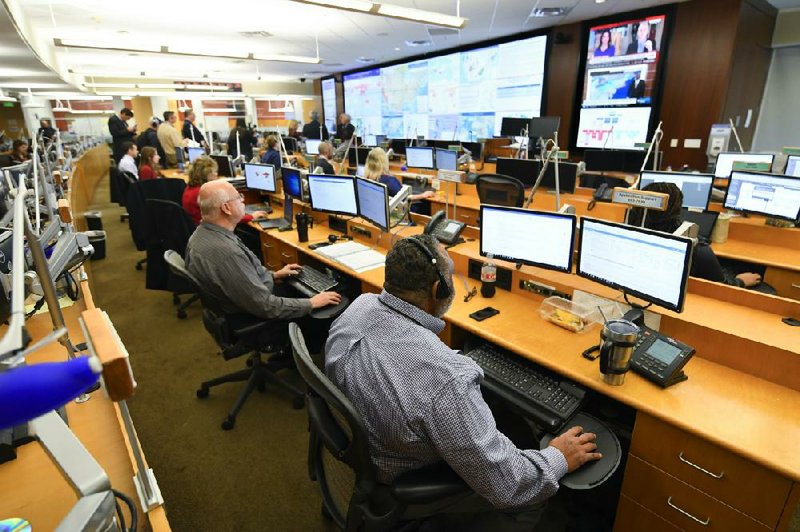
(353, 255)
(338, 250)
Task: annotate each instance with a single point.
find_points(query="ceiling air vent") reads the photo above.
(442, 32)
(253, 34)
(365, 60)
(550, 11)
(416, 43)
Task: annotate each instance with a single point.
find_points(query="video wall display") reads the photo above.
(456, 96)
(329, 103)
(623, 62)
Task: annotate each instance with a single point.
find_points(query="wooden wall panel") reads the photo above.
(562, 78)
(697, 73)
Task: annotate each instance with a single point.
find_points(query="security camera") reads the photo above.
(302, 80)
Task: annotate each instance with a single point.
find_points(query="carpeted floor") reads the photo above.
(251, 478)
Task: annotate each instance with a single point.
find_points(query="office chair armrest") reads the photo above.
(326, 429)
(428, 484)
(251, 329)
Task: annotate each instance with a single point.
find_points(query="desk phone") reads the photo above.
(445, 230)
(659, 358)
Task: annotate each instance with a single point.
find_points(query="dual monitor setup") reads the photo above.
(647, 264)
(334, 194)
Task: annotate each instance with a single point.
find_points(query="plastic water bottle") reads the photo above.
(488, 277)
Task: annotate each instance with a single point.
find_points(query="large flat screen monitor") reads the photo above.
(312, 146)
(614, 160)
(526, 170)
(514, 127)
(537, 238)
(544, 127)
(194, 153)
(292, 182)
(777, 196)
(225, 168)
(446, 160)
(373, 202)
(358, 156)
(793, 166)
(696, 188)
(567, 177)
(329, 103)
(455, 95)
(647, 264)
(620, 82)
(419, 158)
(335, 194)
(260, 177)
(726, 160)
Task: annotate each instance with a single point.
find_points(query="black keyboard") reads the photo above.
(549, 400)
(315, 279)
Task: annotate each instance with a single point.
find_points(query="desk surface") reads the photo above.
(748, 415)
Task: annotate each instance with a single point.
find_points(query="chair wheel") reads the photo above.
(181, 314)
(298, 402)
(202, 393)
(228, 423)
(175, 299)
(139, 267)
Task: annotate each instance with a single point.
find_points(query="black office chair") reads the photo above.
(498, 189)
(235, 338)
(136, 202)
(171, 228)
(338, 458)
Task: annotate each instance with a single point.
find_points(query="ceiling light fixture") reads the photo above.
(392, 11)
(166, 50)
(4, 98)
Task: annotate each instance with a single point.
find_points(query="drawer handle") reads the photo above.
(285, 256)
(795, 285)
(267, 246)
(465, 216)
(687, 514)
(706, 471)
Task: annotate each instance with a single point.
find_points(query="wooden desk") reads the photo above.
(723, 418)
(174, 173)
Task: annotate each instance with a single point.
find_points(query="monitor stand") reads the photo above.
(288, 213)
(337, 224)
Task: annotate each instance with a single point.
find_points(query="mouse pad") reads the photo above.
(594, 473)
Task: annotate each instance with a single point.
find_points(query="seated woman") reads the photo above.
(148, 164)
(272, 155)
(202, 170)
(19, 151)
(377, 169)
(705, 264)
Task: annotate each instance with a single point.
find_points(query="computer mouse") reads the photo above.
(594, 473)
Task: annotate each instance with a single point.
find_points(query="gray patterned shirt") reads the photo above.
(234, 276)
(421, 402)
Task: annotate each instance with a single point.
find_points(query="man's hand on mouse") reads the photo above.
(577, 447)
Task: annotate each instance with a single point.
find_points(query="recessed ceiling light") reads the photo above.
(365, 60)
(397, 49)
(418, 42)
(382, 34)
(550, 11)
(392, 11)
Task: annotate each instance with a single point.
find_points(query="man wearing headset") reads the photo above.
(421, 401)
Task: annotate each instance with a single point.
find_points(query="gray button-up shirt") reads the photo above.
(235, 277)
(421, 402)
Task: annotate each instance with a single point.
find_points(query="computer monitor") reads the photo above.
(373, 202)
(380, 139)
(614, 160)
(398, 146)
(370, 140)
(180, 155)
(543, 126)
(647, 264)
(225, 167)
(446, 160)
(725, 161)
(705, 221)
(259, 177)
(696, 188)
(514, 127)
(335, 194)
(290, 143)
(292, 182)
(358, 156)
(567, 177)
(526, 170)
(419, 158)
(312, 146)
(538, 238)
(777, 196)
(194, 153)
(793, 166)
(360, 170)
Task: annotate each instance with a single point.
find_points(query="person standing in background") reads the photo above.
(314, 129)
(170, 139)
(190, 131)
(121, 132)
(149, 137)
(345, 130)
(246, 140)
(46, 129)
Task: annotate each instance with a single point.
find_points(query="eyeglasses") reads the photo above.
(239, 197)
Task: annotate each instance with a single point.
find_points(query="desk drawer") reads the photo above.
(633, 517)
(467, 216)
(271, 253)
(785, 282)
(286, 254)
(748, 487)
(681, 504)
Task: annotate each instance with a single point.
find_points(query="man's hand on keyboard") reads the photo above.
(259, 215)
(290, 270)
(324, 299)
(577, 447)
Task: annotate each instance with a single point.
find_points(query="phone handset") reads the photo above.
(445, 230)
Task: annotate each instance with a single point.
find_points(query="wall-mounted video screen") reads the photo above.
(460, 95)
(623, 63)
(329, 103)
